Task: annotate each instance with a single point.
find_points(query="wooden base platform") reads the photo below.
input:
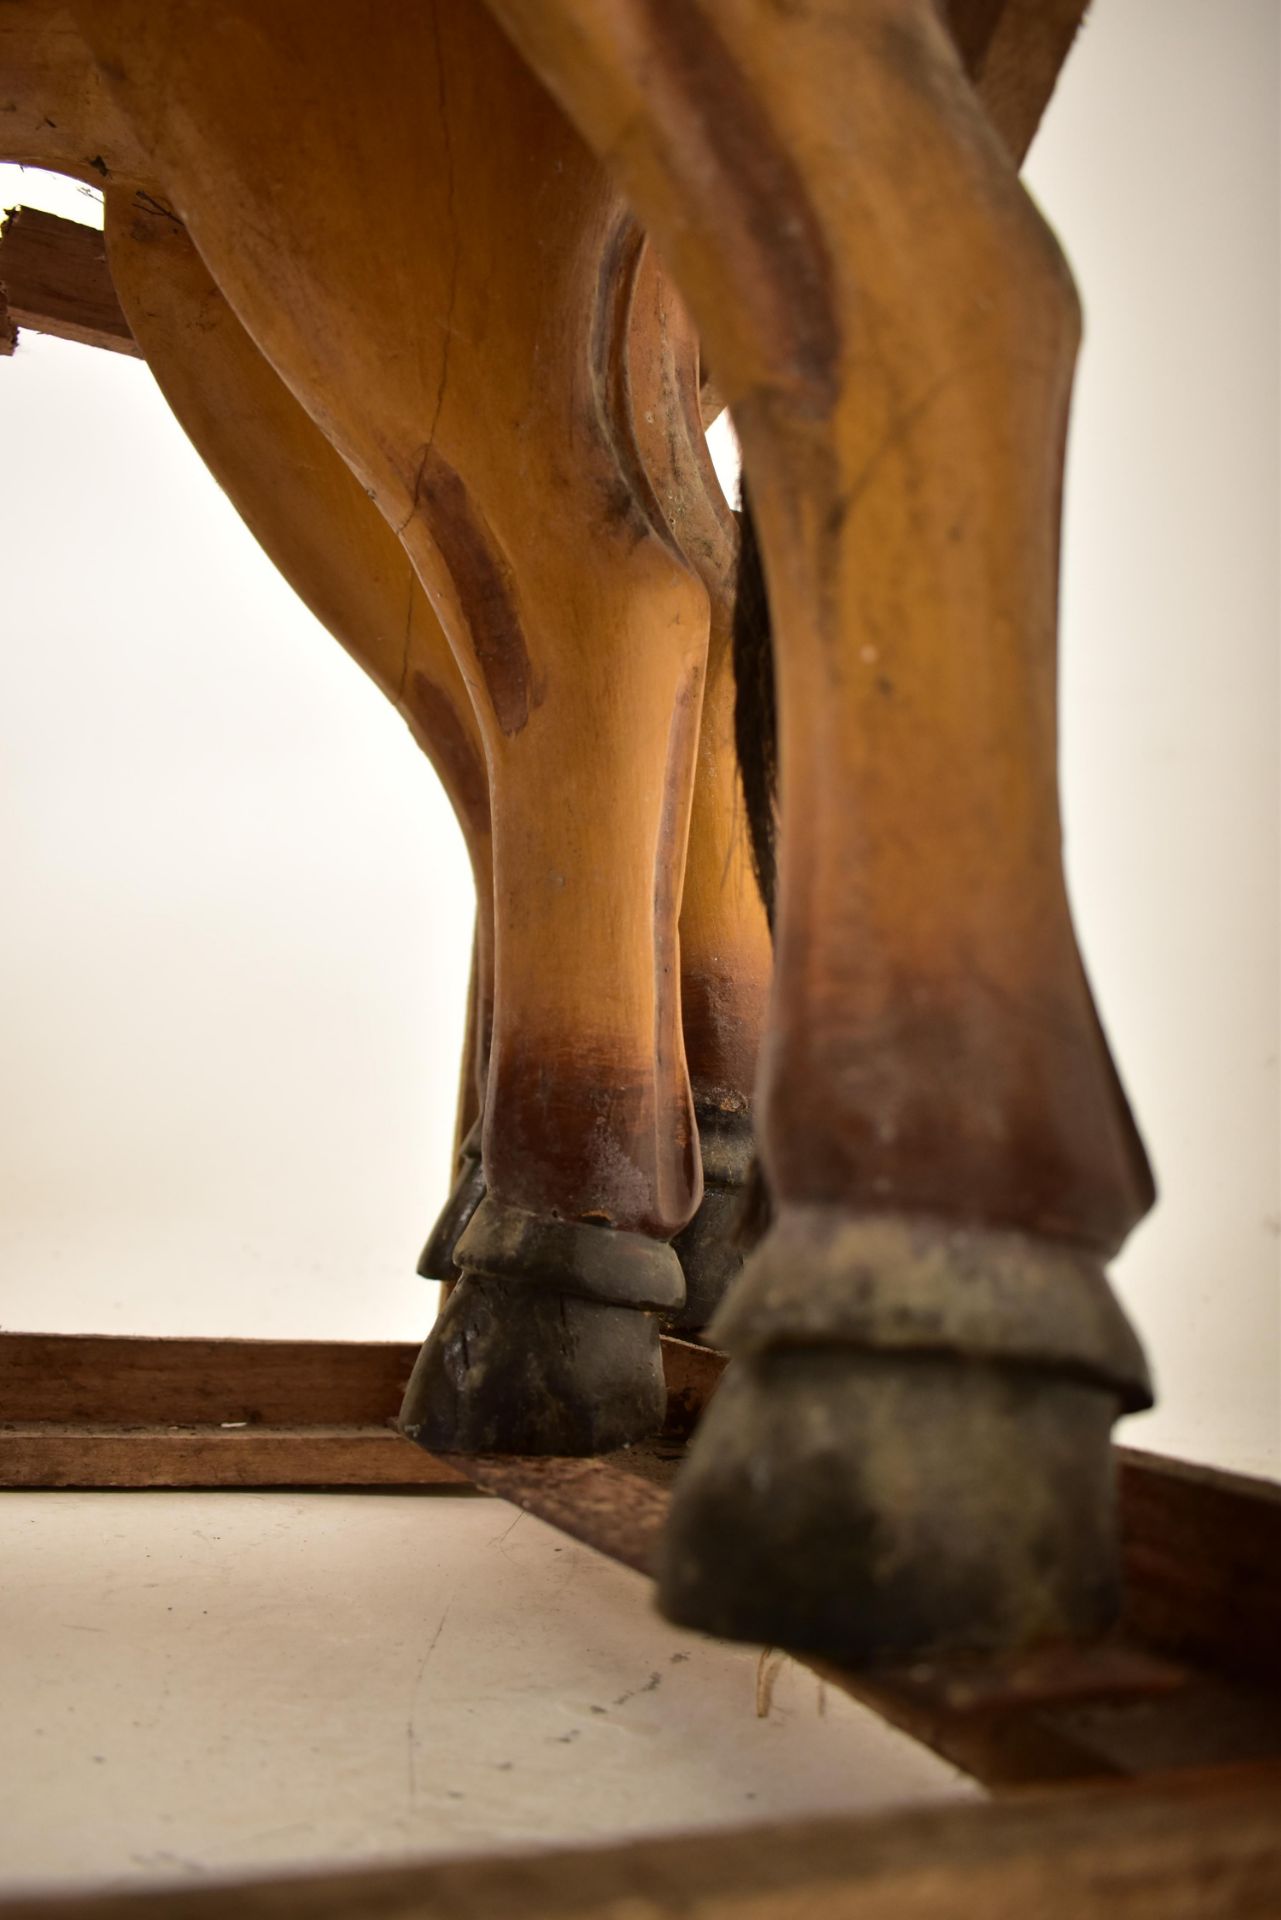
(1186, 1697)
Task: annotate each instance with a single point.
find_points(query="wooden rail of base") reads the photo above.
(1192, 1849)
(1195, 1680)
(54, 279)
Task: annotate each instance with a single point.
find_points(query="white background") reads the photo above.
(236, 911)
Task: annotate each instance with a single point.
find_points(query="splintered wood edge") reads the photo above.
(56, 280)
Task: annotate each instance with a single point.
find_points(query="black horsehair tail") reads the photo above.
(755, 716)
(756, 744)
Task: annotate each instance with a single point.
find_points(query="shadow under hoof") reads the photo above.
(528, 1370)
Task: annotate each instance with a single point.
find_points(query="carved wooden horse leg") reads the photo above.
(296, 494)
(327, 537)
(317, 524)
(315, 521)
(725, 955)
(912, 1450)
(414, 237)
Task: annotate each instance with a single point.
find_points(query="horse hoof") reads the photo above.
(926, 1468)
(436, 1261)
(709, 1248)
(549, 1342)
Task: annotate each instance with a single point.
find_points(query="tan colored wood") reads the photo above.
(415, 250)
(310, 515)
(906, 449)
(282, 478)
(304, 507)
(55, 280)
(1207, 1848)
(296, 495)
(55, 108)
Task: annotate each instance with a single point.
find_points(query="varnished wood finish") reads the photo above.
(56, 110)
(105, 1380)
(310, 1457)
(310, 515)
(895, 329)
(296, 495)
(907, 472)
(54, 279)
(580, 629)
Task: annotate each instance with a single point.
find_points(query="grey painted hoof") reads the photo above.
(709, 1248)
(876, 1510)
(549, 1342)
(436, 1261)
(511, 1370)
(912, 1454)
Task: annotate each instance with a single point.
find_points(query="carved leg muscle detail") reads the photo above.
(914, 1453)
(318, 525)
(426, 263)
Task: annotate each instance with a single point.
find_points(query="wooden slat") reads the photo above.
(1199, 1849)
(56, 280)
(86, 1410)
(105, 1380)
(1203, 1564)
(110, 1458)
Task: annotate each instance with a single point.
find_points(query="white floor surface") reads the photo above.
(198, 1684)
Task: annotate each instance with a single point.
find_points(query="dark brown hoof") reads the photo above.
(710, 1249)
(436, 1261)
(914, 1461)
(549, 1342)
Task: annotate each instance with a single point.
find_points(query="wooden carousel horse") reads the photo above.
(912, 1447)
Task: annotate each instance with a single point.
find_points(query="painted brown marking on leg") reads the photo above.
(485, 588)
